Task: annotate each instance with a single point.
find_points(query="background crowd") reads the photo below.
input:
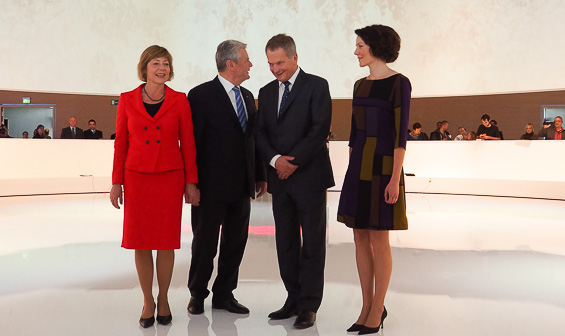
(488, 130)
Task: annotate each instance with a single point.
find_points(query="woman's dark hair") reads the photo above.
(383, 41)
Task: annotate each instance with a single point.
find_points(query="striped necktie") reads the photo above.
(240, 110)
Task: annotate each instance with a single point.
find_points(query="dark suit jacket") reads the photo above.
(89, 135)
(67, 134)
(549, 133)
(436, 135)
(301, 132)
(151, 145)
(227, 167)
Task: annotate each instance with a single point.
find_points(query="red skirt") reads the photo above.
(153, 210)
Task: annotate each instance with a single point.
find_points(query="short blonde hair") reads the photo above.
(149, 54)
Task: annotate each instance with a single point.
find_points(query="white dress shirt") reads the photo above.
(228, 86)
(281, 91)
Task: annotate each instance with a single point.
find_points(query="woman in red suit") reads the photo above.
(155, 172)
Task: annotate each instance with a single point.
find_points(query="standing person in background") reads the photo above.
(494, 123)
(224, 118)
(441, 133)
(156, 173)
(487, 131)
(92, 132)
(417, 133)
(553, 132)
(72, 131)
(39, 132)
(372, 200)
(3, 133)
(295, 113)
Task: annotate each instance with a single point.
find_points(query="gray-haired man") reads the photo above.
(223, 115)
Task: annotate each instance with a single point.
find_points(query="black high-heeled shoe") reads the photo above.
(355, 327)
(147, 322)
(165, 319)
(367, 330)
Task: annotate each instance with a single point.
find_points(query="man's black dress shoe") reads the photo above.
(287, 311)
(231, 305)
(195, 306)
(305, 319)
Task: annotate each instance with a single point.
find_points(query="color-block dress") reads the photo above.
(379, 124)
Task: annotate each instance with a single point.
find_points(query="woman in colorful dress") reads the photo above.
(372, 199)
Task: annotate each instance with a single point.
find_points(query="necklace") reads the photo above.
(155, 100)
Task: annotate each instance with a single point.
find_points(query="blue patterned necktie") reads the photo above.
(240, 110)
(285, 95)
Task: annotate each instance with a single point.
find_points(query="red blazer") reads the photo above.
(151, 145)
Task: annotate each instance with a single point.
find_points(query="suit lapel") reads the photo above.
(225, 102)
(294, 92)
(272, 93)
(168, 103)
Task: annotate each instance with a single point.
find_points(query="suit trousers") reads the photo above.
(301, 259)
(233, 217)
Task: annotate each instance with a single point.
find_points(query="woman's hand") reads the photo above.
(392, 191)
(191, 194)
(116, 195)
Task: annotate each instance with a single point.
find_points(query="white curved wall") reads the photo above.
(448, 47)
(498, 168)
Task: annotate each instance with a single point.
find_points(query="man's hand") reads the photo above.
(284, 167)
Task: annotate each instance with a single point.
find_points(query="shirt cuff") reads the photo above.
(274, 159)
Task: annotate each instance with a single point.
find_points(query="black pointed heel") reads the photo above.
(355, 327)
(367, 330)
(147, 322)
(166, 319)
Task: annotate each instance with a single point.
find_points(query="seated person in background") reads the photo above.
(46, 135)
(72, 132)
(471, 136)
(113, 136)
(417, 133)
(441, 133)
(39, 132)
(25, 135)
(487, 131)
(494, 123)
(530, 134)
(462, 134)
(92, 132)
(553, 132)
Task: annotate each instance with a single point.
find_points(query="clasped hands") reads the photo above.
(284, 167)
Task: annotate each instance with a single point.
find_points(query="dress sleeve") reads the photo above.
(187, 144)
(402, 112)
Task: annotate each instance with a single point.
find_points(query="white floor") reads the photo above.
(467, 266)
